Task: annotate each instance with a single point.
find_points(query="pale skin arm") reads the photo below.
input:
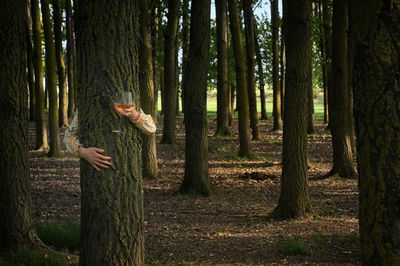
(131, 113)
(94, 156)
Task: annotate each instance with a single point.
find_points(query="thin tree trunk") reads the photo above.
(242, 97)
(222, 69)
(146, 84)
(156, 38)
(282, 73)
(323, 57)
(185, 45)
(62, 82)
(41, 131)
(70, 58)
(16, 226)
(51, 81)
(294, 199)
(327, 23)
(264, 115)
(31, 84)
(169, 108)
(250, 54)
(112, 200)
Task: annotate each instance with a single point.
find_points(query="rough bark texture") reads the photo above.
(277, 112)
(251, 64)
(185, 44)
(327, 25)
(339, 95)
(146, 84)
(294, 199)
(51, 80)
(282, 72)
(70, 58)
(222, 69)
(242, 98)
(16, 226)
(31, 84)
(111, 199)
(170, 89)
(197, 179)
(41, 131)
(376, 29)
(62, 81)
(260, 75)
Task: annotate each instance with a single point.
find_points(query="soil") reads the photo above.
(231, 226)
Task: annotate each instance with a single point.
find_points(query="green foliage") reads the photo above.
(60, 235)
(30, 257)
(293, 246)
(318, 240)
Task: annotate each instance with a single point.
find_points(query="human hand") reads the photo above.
(93, 156)
(130, 112)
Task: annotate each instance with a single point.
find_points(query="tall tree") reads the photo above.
(324, 67)
(112, 199)
(170, 91)
(16, 225)
(277, 111)
(146, 84)
(222, 69)
(251, 64)
(197, 179)
(294, 198)
(41, 131)
(242, 92)
(62, 81)
(282, 72)
(185, 43)
(70, 57)
(29, 66)
(339, 95)
(375, 25)
(51, 80)
(260, 74)
(327, 26)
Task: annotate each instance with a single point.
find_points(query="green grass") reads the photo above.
(30, 257)
(60, 235)
(293, 246)
(318, 240)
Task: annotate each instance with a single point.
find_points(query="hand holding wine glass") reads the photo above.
(128, 110)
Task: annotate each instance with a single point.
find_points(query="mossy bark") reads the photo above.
(51, 81)
(170, 88)
(376, 81)
(197, 179)
(16, 226)
(146, 84)
(111, 199)
(294, 198)
(222, 69)
(242, 92)
(41, 131)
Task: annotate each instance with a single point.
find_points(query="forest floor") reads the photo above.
(231, 226)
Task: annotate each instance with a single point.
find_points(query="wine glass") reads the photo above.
(122, 100)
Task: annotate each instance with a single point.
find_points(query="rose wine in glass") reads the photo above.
(123, 100)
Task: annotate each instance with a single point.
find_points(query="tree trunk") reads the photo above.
(327, 23)
(146, 84)
(310, 103)
(16, 225)
(277, 111)
(197, 179)
(51, 81)
(41, 131)
(185, 45)
(264, 115)
(376, 33)
(339, 95)
(242, 98)
(70, 58)
(222, 69)
(62, 82)
(156, 37)
(169, 108)
(112, 199)
(282, 73)
(294, 198)
(31, 84)
(250, 55)
(324, 67)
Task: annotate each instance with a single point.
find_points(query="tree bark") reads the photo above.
(62, 82)
(327, 24)
(294, 198)
(16, 225)
(197, 179)
(339, 95)
(70, 58)
(111, 199)
(170, 91)
(376, 33)
(261, 75)
(41, 131)
(51, 81)
(31, 84)
(250, 56)
(146, 84)
(277, 111)
(185, 45)
(222, 69)
(242, 98)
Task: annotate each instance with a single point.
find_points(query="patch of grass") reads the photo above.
(318, 240)
(60, 235)
(30, 257)
(293, 246)
(352, 238)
